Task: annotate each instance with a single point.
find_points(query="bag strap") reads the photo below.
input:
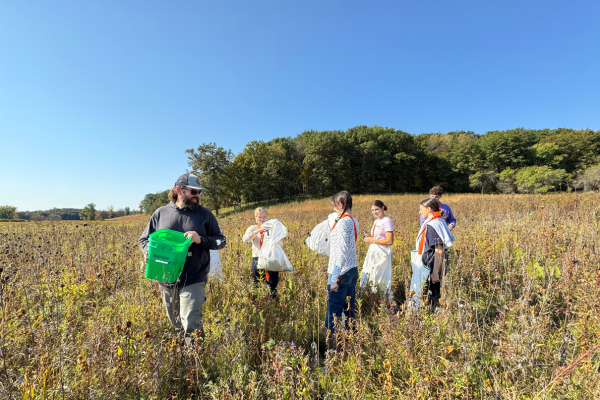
(260, 235)
(422, 242)
(353, 223)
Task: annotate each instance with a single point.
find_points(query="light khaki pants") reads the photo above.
(184, 306)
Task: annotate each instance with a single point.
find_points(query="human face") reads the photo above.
(435, 196)
(189, 200)
(424, 211)
(377, 212)
(261, 217)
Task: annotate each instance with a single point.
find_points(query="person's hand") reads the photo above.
(435, 277)
(334, 286)
(194, 235)
(264, 229)
(368, 239)
(451, 227)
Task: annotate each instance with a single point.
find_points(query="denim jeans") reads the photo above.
(337, 302)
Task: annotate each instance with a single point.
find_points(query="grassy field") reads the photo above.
(520, 316)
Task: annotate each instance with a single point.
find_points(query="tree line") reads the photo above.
(88, 213)
(377, 159)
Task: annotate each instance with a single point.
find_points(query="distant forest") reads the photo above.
(68, 214)
(377, 159)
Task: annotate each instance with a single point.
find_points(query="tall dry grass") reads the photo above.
(519, 319)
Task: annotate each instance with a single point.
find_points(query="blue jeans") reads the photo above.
(337, 305)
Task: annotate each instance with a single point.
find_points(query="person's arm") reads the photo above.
(451, 219)
(150, 228)
(214, 239)
(250, 234)
(388, 241)
(438, 257)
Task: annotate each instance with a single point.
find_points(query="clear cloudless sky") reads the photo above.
(100, 99)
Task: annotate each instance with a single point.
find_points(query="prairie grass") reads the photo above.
(519, 318)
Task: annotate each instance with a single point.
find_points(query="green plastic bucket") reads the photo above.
(167, 252)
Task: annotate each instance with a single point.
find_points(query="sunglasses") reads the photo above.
(194, 192)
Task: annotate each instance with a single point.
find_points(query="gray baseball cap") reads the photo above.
(189, 180)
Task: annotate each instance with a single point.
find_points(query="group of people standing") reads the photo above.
(434, 237)
(183, 299)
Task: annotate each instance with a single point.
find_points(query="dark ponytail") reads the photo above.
(379, 203)
(344, 198)
(433, 204)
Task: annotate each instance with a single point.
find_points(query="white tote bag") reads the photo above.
(377, 269)
(318, 239)
(271, 256)
(420, 273)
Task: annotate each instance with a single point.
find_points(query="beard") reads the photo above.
(191, 202)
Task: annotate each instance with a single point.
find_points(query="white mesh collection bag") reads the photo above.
(271, 256)
(216, 269)
(420, 273)
(318, 238)
(377, 269)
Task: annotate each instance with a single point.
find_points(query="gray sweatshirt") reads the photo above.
(201, 220)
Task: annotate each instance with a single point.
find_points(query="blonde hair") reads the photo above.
(258, 210)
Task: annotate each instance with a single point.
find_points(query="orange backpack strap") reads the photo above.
(353, 223)
(422, 242)
(260, 236)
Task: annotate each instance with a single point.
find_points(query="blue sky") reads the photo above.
(100, 99)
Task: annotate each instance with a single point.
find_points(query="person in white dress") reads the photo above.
(377, 268)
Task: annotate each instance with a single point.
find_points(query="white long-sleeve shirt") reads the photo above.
(342, 248)
(255, 242)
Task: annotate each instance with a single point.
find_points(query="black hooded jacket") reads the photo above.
(201, 220)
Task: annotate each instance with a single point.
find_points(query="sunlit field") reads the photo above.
(519, 319)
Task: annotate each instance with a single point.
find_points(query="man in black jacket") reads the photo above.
(183, 298)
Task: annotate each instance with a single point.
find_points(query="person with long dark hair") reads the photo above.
(377, 268)
(343, 266)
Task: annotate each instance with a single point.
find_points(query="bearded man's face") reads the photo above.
(190, 201)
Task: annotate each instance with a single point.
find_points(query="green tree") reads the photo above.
(88, 213)
(486, 181)
(506, 181)
(572, 149)
(152, 201)
(328, 162)
(510, 148)
(8, 212)
(538, 179)
(548, 154)
(127, 210)
(210, 163)
(591, 178)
